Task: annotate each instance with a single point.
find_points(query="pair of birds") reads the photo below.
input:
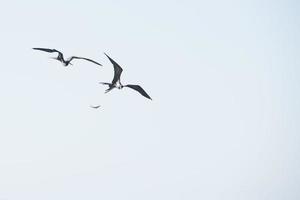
(115, 83)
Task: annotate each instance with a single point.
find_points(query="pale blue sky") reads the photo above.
(223, 124)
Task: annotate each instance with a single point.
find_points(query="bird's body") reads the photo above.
(116, 83)
(60, 57)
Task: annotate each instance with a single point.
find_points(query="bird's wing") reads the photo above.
(139, 89)
(75, 57)
(118, 70)
(47, 50)
(50, 51)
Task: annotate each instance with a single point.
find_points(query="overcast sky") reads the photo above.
(223, 124)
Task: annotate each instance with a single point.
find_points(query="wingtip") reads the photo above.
(106, 54)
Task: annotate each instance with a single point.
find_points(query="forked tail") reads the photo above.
(110, 86)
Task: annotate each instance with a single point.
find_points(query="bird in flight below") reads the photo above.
(60, 57)
(95, 107)
(116, 83)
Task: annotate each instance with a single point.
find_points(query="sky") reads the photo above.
(224, 77)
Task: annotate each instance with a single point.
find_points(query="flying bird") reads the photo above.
(116, 83)
(60, 57)
(95, 107)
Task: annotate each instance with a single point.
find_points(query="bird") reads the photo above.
(95, 107)
(60, 57)
(116, 83)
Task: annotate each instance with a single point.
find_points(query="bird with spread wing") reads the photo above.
(116, 83)
(60, 57)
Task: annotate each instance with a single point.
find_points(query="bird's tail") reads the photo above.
(103, 83)
(110, 86)
(109, 89)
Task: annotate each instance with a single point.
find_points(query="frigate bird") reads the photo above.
(116, 83)
(60, 57)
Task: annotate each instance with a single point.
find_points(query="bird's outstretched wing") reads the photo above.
(139, 89)
(49, 50)
(95, 107)
(118, 70)
(76, 57)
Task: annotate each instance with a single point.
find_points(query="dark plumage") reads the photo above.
(116, 83)
(60, 57)
(139, 89)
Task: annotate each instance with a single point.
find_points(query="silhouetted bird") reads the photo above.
(116, 83)
(95, 107)
(60, 57)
